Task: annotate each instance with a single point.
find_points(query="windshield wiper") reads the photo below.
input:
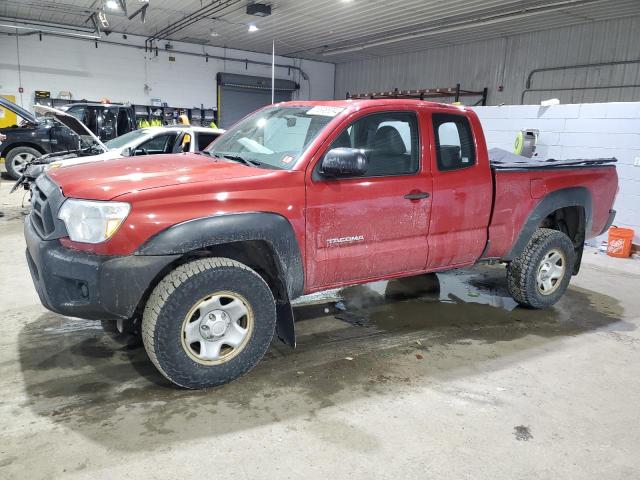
(246, 161)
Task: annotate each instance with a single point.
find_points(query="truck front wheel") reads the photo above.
(208, 322)
(539, 276)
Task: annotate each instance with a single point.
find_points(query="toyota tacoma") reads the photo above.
(206, 251)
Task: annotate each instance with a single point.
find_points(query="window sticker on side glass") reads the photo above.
(325, 111)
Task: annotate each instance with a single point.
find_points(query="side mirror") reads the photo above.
(128, 152)
(344, 162)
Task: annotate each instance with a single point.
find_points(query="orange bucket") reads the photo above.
(619, 244)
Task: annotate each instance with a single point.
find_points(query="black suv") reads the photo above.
(106, 120)
(31, 138)
(34, 137)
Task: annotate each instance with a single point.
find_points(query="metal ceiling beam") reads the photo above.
(198, 15)
(99, 40)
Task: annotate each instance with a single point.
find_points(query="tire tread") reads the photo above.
(522, 269)
(160, 296)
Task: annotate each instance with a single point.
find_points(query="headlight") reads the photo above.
(90, 221)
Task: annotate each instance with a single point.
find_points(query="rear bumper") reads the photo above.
(95, 287)
(610, 219)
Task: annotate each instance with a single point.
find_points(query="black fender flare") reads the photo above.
(566, 197)
(272, 228)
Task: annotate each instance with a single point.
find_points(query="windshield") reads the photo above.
(274, 137)
(127, 138)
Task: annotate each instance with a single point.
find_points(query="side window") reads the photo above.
(389, 139)
(77, 112)
(123, 122)
(454, 142)
(204, 139)
(159, 144)
(109, 124)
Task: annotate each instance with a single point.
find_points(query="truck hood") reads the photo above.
(75, 125)
(107, 180)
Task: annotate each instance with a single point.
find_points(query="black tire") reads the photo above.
(15, 156)
(522, 272)
(174, 298)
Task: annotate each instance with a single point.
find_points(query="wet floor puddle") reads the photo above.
(356, 342)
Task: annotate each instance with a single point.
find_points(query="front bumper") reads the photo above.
(84, 285)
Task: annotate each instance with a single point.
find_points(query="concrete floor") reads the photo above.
(419, 378)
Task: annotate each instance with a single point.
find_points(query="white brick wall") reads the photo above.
(592, 130)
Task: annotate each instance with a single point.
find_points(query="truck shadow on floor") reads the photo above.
(371, 340)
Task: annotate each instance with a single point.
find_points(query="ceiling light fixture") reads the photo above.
(104, 22)
(115, 7)
(259, 9)
(253, 27)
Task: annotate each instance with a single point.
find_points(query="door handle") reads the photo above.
(416, 195)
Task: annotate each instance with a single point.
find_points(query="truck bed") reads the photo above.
(500, 159)
(520, 184)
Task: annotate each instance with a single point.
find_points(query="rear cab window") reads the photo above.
(454, 142)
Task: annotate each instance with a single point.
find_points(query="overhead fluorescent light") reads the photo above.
(253, 27)
(117, 7)
(102, 17)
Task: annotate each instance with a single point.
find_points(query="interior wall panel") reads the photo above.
(507, 61)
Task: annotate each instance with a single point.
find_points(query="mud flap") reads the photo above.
(285, 328)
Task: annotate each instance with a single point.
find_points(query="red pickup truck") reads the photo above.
(206, 251)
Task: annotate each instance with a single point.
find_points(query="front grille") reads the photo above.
(41, 218)
(46, 199)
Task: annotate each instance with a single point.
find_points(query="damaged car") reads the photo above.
(52, 132)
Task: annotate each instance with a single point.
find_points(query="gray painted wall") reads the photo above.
(507, 61)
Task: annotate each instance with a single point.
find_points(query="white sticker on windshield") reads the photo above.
(325, 111)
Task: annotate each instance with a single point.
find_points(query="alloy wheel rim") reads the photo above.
(217, 328)
(20, 159)
(551, 272)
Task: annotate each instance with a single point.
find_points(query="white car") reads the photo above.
(150, 141)
(145, 141)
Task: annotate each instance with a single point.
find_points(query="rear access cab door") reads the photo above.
(462, 189)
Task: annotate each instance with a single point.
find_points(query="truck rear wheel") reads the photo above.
(208, 322)
(539, 276)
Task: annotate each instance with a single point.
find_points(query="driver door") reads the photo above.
(367, 227)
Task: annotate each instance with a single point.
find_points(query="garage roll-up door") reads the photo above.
(239, 95)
